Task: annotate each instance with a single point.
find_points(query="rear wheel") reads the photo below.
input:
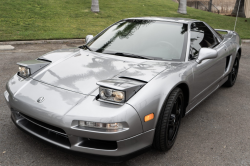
(233, 74)
(169, 121)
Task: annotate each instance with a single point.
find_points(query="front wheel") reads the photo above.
(169, 121)
(234, 73)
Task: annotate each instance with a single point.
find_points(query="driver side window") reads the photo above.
(201, 37)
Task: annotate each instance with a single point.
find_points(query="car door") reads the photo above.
(206, 75)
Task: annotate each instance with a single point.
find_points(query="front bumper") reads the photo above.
(123, 150)
(52, 122)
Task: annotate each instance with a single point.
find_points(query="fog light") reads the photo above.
(100, 125)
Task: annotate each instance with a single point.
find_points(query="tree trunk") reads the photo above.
(241, 9)
(182, 7)
(95, 6)
(210, 5)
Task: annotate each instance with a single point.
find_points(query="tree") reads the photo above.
(95, 6)
(182, 7)
(241, 8)
(210, 5)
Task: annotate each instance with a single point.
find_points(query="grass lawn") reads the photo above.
(62, 19)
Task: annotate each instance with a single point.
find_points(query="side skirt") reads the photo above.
(220, 84)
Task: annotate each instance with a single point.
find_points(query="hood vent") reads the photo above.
(45, 60)
(133, 79)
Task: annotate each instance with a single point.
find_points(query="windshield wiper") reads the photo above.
(85, 46)
(130, 55)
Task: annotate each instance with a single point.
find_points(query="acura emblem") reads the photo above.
(40, 100)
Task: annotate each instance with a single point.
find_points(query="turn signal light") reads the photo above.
(149, 117)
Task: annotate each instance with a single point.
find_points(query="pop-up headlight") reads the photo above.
(111, 95)
(27, 68)
(118, 90)
(24, 71)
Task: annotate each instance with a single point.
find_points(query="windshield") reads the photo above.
(152, 39)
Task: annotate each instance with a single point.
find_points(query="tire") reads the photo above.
(234, 72)
(169, 121)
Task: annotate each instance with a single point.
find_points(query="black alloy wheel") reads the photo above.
(232, 77)
(235, 70)
(175, 119)
(169, 121)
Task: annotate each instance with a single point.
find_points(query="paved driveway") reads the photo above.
(217, 132)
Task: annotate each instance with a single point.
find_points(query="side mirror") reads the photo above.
(206, 53)
(88, 38)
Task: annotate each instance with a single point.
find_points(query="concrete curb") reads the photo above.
(44, 42)
(245, 41)
(6, 47)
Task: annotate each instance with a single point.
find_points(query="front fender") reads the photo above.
(151, 97)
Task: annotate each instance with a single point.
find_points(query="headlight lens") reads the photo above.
(24, 71)
(113, 126)
(112, 95)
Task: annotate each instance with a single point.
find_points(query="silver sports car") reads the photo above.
(127, 88)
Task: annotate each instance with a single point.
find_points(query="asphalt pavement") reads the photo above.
(217, 132)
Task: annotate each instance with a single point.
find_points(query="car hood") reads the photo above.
(80, 72)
